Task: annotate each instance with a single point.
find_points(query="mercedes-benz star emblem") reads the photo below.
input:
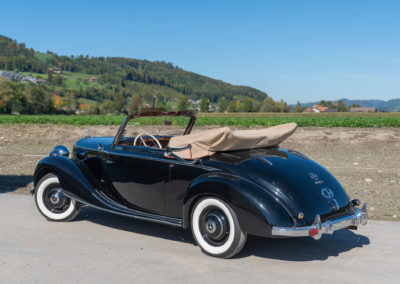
(313, 176)
(327, 192)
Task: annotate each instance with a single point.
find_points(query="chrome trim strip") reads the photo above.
(261, 158)
(359, 218)
(150, 217)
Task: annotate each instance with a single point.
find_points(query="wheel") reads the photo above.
(216, 228)
(52, 203)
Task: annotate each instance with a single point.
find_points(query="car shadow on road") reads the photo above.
(13, 183)
(304, 249)
(134, 225)
(290, 249)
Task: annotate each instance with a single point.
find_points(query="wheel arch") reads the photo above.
(39, 174)
(72, 178)
(256, 210)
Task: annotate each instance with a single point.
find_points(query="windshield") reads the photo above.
(157, 126)
(149, 130)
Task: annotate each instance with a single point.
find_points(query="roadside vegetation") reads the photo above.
(233, 119)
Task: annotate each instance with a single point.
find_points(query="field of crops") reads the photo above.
(234, 119)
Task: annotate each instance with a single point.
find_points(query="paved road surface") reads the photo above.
(99, 247)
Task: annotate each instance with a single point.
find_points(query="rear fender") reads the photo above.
(256, 210)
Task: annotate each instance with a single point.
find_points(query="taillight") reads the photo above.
(314, 231)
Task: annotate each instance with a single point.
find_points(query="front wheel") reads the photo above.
(216, 228)
(52, 203)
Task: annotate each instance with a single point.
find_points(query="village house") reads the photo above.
(308, 110)
(316, 109)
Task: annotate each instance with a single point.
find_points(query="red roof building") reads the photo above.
(319, 107)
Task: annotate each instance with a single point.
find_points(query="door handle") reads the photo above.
(109, 162)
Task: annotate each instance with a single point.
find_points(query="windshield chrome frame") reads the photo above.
(155, 112)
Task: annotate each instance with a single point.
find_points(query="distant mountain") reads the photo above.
(380, 105)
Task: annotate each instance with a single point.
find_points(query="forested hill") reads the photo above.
(128, 76)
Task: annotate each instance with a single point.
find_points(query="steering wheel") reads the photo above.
(144, 143)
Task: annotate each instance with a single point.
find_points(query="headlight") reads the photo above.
(60, 150)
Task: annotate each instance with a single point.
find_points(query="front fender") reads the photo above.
(255, 208)
(71, 176)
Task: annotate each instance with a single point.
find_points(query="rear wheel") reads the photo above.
(216, 228)
(51, 201)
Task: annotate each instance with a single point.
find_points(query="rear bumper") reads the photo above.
(360, 217)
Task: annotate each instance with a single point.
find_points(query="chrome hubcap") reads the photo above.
(214, 226)
(211, 227)
(55, 200)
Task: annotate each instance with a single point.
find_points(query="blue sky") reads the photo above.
(295, 50)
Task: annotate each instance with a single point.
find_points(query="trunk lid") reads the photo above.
(298, 182)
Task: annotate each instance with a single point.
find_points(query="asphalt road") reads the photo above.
(100, 247)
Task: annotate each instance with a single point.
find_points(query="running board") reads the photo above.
(134, 213)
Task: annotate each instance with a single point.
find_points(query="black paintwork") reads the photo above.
(265, 187)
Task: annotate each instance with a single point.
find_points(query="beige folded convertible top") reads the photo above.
(208, 142)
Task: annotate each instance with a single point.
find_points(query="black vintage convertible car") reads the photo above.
(222, 184)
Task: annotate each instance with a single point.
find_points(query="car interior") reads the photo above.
(147, 141)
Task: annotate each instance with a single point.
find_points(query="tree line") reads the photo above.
(122, 85)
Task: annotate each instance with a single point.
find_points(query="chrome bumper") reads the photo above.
(360, 217)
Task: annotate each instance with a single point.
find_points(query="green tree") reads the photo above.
(341, 106)
(298, 107)
(233, 106)
(160, 102)
(69, 100)
(328, 104)
(183, 103)
(119, 102)
(269, 105)
(39, 100)
(7, 93)
(92, 109)
(135, 104)
(204, 103)
(107, 106)
(222, 104)
(247, 105)
(283, 107)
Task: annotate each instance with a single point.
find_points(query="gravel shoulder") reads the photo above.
(366, 161)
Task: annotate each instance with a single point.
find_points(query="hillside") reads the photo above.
(111, 75)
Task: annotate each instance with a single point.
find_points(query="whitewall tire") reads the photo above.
(216, 228)
(52, 203)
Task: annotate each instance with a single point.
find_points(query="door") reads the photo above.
(138, 174)
(180, 177)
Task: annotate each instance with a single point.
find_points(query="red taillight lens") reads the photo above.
(313, 232)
